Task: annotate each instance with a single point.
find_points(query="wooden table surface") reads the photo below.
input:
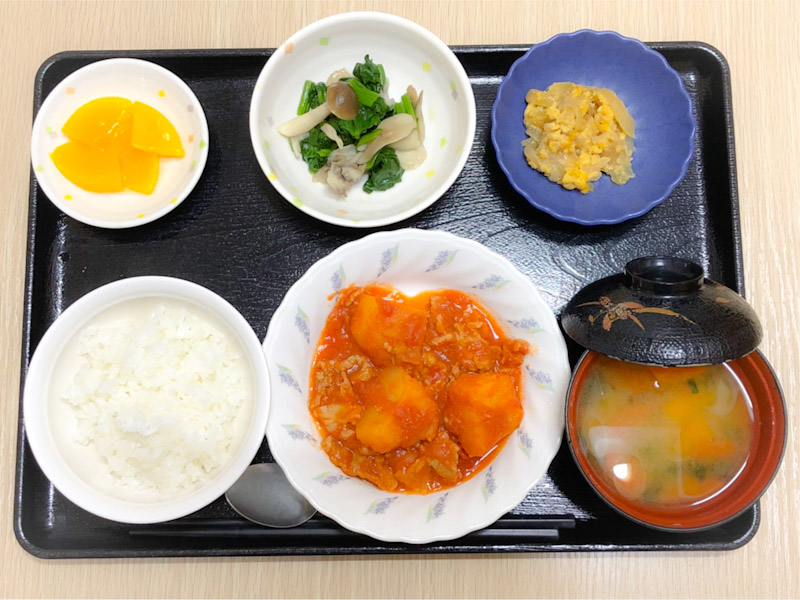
(761, 44)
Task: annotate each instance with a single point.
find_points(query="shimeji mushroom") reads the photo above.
(393, 129)
(342, 101)
(410, 151)
(306, 122)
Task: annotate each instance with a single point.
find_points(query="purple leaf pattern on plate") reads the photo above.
(338, 279)
(542, 379)
(379, 507)
(437, 510)
(494, 282)
(301, 322)
(328, 479)
(445, 257)
(524, 442)
(529, 325)
(489, 486)
(298, 433)
(388, 258)
(287, 378)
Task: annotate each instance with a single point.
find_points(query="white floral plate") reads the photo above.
(413, 261)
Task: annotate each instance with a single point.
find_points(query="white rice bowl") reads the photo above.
(414, 261)
(112, 425)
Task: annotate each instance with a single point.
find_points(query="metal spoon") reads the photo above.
(263, 495)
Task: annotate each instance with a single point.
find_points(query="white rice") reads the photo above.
(158, 398)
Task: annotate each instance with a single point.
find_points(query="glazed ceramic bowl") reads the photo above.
(651, 90)
(656, 432)
(56, 428)
(765, 453)
(415, 261)
(135, 80)
(411, 55)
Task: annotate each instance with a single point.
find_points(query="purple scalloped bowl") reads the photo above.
(651, 90)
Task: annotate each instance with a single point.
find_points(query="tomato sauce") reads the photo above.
(414, 394)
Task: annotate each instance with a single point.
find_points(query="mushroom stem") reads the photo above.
(328, 130)
(393, 129)
(305, 123)
(420, 119)
(410, 142)
(412, 94)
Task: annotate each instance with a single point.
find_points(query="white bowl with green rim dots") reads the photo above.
(410, 56)
(136, 80)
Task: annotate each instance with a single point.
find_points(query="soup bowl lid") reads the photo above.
(662, 311)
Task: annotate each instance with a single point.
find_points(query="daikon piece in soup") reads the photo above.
(671, 436)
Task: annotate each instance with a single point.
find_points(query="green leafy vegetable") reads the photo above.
(699, 469)
(365, 95)
(315, 149)
(305, 97)
(367, 118)
(312, 96)
(382, 76)
(322, 95)
(405, 106)
(368, 81)
(368, 137)
(370, 74)
(693, 386)
(384, 171)
(342, 129)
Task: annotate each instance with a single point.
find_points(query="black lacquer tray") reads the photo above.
(238, 237)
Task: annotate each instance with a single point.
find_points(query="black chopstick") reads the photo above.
(534, 528)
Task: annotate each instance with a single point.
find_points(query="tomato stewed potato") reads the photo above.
(414, 394)
(398, 411)
(388, 331)
(481, 409)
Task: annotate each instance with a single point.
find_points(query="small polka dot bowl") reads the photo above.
(135, 80)
(410, 55)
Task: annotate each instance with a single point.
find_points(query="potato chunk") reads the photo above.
(389, 331)
(399, 411)
(482, 409)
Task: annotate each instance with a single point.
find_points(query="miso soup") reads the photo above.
(660, 435)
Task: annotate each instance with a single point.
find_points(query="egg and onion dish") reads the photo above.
(576, 133)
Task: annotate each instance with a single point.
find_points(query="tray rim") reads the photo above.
(386, 549)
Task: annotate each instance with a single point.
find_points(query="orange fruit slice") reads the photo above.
(92, 169)
(96, 123)
(139, 168)
(153, 132)
(116, 144)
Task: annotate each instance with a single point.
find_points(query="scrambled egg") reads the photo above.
(576, 133)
